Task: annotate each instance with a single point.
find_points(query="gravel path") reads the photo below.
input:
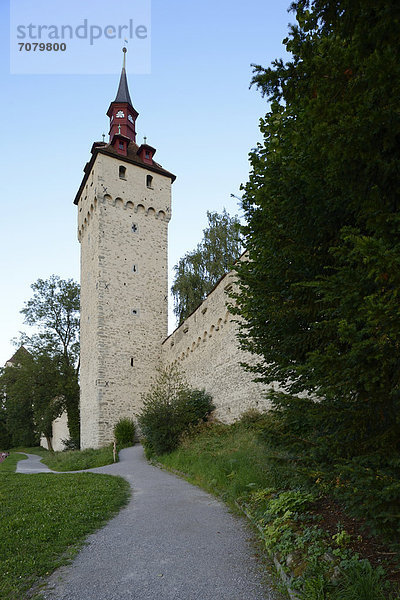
(32, 465)
(172, 542)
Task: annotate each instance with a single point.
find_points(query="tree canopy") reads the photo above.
(199, 270)
(54, 311)
(32, 399)
(46, 378)
(320, 291)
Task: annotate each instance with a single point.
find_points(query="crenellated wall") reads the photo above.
(122, 228)
(207, 351)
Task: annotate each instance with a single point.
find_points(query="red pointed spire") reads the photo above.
(122, 115)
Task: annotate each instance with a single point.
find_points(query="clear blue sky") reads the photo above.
(195, 107)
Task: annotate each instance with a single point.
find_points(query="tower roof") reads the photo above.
(123, 90)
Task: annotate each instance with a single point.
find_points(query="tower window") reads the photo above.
(134, 228)
(122, 170)
(134, 269)
(121, 145)
(135, 312)
(132, 362)
(149, 181)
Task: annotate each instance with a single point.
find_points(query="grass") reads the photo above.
(227, 461)
(45, 519)
(73, 460)
(231, 462)
(10, 463)
(76, 460)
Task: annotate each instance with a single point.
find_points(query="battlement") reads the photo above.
(147, 209)
(207, 350)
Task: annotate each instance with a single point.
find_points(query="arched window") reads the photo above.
(122, 172)
(149, 181)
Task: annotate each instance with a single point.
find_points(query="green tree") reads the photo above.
(18, 428)
(199, 270)
(32, 392)
(54, 311)
(320, 289)
(170, 408)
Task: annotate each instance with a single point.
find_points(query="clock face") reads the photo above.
(130, 118)
(120, 114)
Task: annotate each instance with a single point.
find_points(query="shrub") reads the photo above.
(70, 444)
(252, 418)
(370, 488)
(169, 409)
(124, 433)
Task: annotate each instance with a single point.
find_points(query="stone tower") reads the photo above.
(124, 206)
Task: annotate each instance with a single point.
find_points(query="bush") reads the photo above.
(370, 488)
(124, 433)
(70, 444)
(252, 418)
(169, 409)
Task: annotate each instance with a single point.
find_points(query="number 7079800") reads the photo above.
(42, 47)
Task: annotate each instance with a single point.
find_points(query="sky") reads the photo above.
(191, 89)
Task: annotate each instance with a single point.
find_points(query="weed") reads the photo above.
(361, 582)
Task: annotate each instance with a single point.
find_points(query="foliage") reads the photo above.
(16, 410)
(198, 271)
(46, 518)
(232, 462)
(229, 461)
(5, 437)
(289, 502)
(76, 460)
(54, 312)
(370, 488)
(366, 482)
(319, 292)
(169, 409)
(252, 418)
(361, 582)
(317, 570)
(124, 433)
(70, 444)
(32, 397)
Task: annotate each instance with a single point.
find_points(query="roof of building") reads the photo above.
(132, 158)
(16, 356)
(123, 90)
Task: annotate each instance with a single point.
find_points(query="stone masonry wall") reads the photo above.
(122, 227)
(60, 432)
(206, 349)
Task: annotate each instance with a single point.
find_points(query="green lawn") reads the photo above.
(10, 463)
(45, 518)
(76, 460)
(73, 460)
